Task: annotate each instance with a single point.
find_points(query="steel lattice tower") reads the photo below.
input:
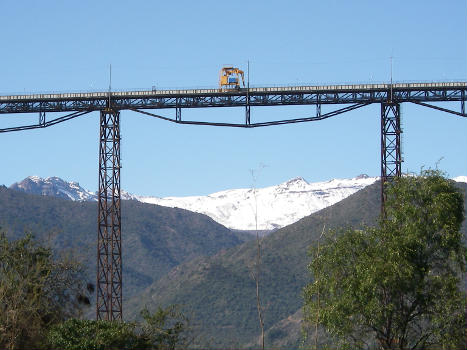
(391, 157)
(109, 242)
(349, 97)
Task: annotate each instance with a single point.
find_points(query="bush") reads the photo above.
(36, 291)
(76, 334)
(165, 329)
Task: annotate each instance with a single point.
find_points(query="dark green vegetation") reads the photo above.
(165, 329)
(36, 292)
(218, 290)
(155, 239)
(75, 334)
(40, 296)
(221, 291)
(396, 285)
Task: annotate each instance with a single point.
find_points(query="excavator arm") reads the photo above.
(229, 77)
(240, 73)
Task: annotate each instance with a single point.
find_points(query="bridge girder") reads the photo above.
(109, 247)
(345, 94)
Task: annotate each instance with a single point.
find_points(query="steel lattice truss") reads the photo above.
(391, 155)
(109, 246)
(109, 241)
(338, 94)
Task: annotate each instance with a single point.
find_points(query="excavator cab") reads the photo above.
(229, 78)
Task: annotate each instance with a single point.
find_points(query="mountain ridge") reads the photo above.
(274, 206)
(155, 238)
(56, 187)
(224, 280)
(244, 209)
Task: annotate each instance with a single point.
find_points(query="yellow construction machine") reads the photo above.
(229, 78)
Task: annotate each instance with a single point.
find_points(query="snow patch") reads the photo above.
(277, 206)
(460, 179)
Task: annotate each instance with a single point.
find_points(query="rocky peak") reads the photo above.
(53, 186)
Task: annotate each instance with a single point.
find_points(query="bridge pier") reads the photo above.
(391, 156)
(109, 243)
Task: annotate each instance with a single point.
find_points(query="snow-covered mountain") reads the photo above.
(241, 209)
(55, 186)
(460, 179)
(274, 207)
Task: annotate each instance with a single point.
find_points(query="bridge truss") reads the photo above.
(109, 104)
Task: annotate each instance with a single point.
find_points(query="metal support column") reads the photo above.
(463, 102)
(247, 101)
(42, 118)
(178, 114)
(391, 157)
(109, 243)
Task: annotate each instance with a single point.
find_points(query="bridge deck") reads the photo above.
(191, 92)
(258, 96)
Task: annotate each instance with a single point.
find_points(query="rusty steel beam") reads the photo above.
(109, 241)
(391, 155)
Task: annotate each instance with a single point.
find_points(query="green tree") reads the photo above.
(396, 285)
(36, 291)
(74, 334)
(165, 329)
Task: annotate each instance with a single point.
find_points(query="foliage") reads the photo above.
(74, 334)
(221, 281)
(165, 329)
(395, 285)
(39, 295)
(36, 291)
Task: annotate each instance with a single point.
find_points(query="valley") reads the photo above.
(174, 256)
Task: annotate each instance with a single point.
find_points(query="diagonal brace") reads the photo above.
(256, 125)
(45, 124)
(440, 108)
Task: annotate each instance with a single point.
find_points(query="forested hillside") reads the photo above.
(155, 239)
(172, 256)
(220, 289)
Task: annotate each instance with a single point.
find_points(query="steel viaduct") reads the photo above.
(109, 104)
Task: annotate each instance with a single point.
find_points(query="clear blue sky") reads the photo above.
(69, 45)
